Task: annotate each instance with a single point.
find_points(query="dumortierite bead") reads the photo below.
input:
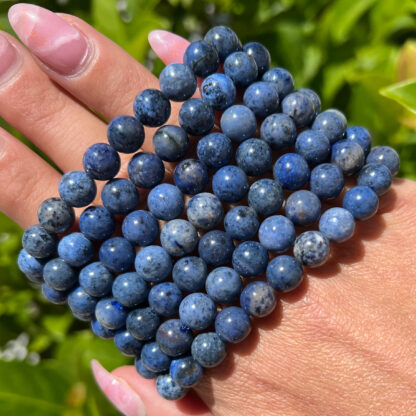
(38, 242)
(277, 233)
(326, 181)
(376, 176)
(153, 264)
(292, 171)
(154, 359)
(169, 389)
(208, 349)
(241, 223)
(241, 68)
(96, 279)
(282, 80)
(190, 273)
(215, 150)
(361, 136)
(254, 156)
(31, 267)
(127, 344)
(219, 91)
(197, 311)
(202, 58)
(361, 201)
(140, 228)
(77, 189)
(146, 170)
(300, 107)
(165, 201)
(82, 305)
(130, 290)
(96, 223)
(179, 237)
(223, 285)
(311, 248)
(386, 156)
(177, 82)
(278, 130)
(190, 176)
(216, 248)
(239, 123)
(230, 184)
(262, 98)
(75, 249)
(250, 259)
(58, 297)
(102, 331)
(101, 162)
(143, 323)
(120, 196)
(258, 299)
(196, 116)
(56, 216)
(171, 143)
(332, 123)
(313, 146)
(59, 275)
(125, 134)
(117, 254)
(266, 196)
(260, 54)
(337, 224)
(205, 211)
(303, 208)
(174, 338)
(110, 314)
(284, 273)
(224, 40)
(314, 97)
(143, 371)
(232, 324)
(164, 298)
(348, 156)
(152, 107)
(186, 371)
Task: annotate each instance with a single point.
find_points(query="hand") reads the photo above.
(344, 343)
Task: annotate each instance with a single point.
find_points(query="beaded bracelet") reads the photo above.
(185, 285)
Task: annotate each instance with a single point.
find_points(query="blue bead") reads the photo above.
(332, 123)
(314, 97)
(143, 323)
(232, 324)
(101, 162)
(241, 68)
(239, 123)
(56, 216)
(110, 314)
(127, 344)
(152, 107)
(164, 298)
(143, 371)
(250, 259)
(360, 135)
(125, 134)
(376, 176)
(57, 297)
(202, 58)
(361, 201)
(169, 389)
(326, 181)
(311, 248)
(190, 176)
(219, 91)
(300, 107)
(292, 171)
(117, 254)
(205, 211)
(196, 116)
(146, 170)
(97, 223)
(197, 311)
(258, 299)
(337, 224)
(177, 82)
(153, 264)
(59, 275)
(215, 150)
(254, 156)
(75, 249)
(38, 242)
(190, 273)
(230, 184)
(277, 233)
(179, 238)
(120, 196)
(216, 248)
(140, 228)
(223, 285)
(348, 156)
(303, 208)
(30, 266)
(262, 98)
(186, 371)
(241, 223)
(82, 305)
(314, 146)
(386, 156)
(260, 54)
(77, 189)
(101, 331)
(96, 279)
(130, 290)
(282, 79)
(266, 196)
(284, 273)
(171, 143)
(224, 40)
(208, 349)
(279, 131)
(154, 359)
(174, 338)
(165, 201)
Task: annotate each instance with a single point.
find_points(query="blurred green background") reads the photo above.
(359, 55)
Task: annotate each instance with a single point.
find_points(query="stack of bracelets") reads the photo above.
(193, 285)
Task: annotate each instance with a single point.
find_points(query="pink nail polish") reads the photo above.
(123, 397)
(168, 46)
(8, 55)
(55, 42)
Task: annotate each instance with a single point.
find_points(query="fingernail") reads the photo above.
(168, 46)
(55, 42)
(123, 397)
(8, 55)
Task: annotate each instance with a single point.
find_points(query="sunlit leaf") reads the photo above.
(403, 92)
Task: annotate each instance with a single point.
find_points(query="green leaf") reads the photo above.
(403, 92)
(106, 19)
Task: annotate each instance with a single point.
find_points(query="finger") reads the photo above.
(169, 47)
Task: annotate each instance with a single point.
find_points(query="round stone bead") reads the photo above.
(82, 305)
(190, 176)
(266, 196)
(59, 275)
(202, 58)
(190, 273)
(152, 107)
(241, 68)
(208, 349)
(361, 201)
(386, 156)
(224, 40)
(120, 196)
(127, 344)
(154, 359)
(197, 311)
(117, 254)
(260, 54)
(337, 224)
(56, 216)
(219, 91)
(177, 82)
(239, 123)
(326, 181)
(277, 233)
(169, 389)
(314, 97)
(75, 249)
(110, 314)
(143, 323)
(31, 267)
(311, 248)
(164, 299)
(300, 107)
(361, 136)
(215, 150)
(241, 223)
(125, 134)
(101, 162)
(216, 248)
(171, 143)
(262, 98)
(186, 371)
(348, 155)
(196, 116)
(97, 223)
(77, 189)
(250, 259)
(174, 338)
(232, 324)
(313, 146)
(292, 171)
(282, 79)
(56, 297)
(258, 299)
(223, 285)
(376, 176)
(279, 131)
(130, 290)
(146, 170)
(254, 156)
(165, 201)
(96, 279)
(101, 331)
(143, 371)
(205, 211)
(38, 242)
(332, 123)
(230, 184)
(284, 273)
(179, 238)
(153, 264)
(140, 228)
(303, 208)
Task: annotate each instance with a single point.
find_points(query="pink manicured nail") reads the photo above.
(168, 46)
(55, 42)
(126, 400)
(8, 55)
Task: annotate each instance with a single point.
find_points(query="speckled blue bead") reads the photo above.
(56, 216)
(59, 275)
(120, 196)
(224, 39)
(215, 150)
(205, 211)
(216, 248)
(164, 298)
(77, 189)
(146, 170)
(96, 279)
(179, 238)
(101, 162)
(186, 371)
(82, 305)
(171, 143)
(232, 324)
(282, 79)
(239, 123)
(75, 249)
(130, 290)
(154, 359)
(303, 208)
(101, 331)
(311, 248)
(230, 184)
(38, 242)
(361, 201)
(279, 131)
(266, 196)
(376, 176)
(140, 228)
(96, 223)
(326, 181)
(258, 299)
(127, 344)
(165, 201)
(31, 267)
(219, 91)
(284, 273)
(208, 349)
(262, 98)
(197, 311)
(174, 338)
(117, 254)
(223, 285)
(348, 156)
(337, 224)
(202, 58)
(190, 176)
(386, 156)
(313, 146)
(177, 82)
(277, 233)
(143, 323)
(254, 156)
(360, 135)
(241, 68)
(292, 171)
(143, 371)
(153, 264)
(110, 314)
(169, 389)
(250, 259)
(314, 97)
(332, 123)
(190, 273)
(260, 54)
(152, 107)
(125, 134)
(57, 297)
(241, 223)
(300, 107)
(196, 116)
